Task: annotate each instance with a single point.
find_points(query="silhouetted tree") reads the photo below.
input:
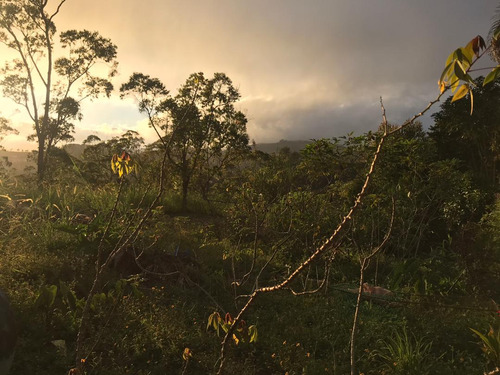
(28, 28)
(473, 139)
(200, 129)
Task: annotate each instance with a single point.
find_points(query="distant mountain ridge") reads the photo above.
(19, 159)
(76, 150)
(294, 146)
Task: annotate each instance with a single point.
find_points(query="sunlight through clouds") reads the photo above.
(303, 69)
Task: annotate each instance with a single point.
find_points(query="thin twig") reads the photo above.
(329, 242)
(493, 372)
(323, 283)
(108, 225)
(364, 265)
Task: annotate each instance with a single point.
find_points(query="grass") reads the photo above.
(403, 354)
(147, 332)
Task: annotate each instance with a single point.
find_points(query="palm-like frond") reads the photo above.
(495, 43)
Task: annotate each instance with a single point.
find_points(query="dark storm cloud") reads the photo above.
(274, 121)
(306, 69)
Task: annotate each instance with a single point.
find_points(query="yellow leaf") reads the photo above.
(471, 101)
(468, 54)
(187, 354)
(469, 51)
(461, 92)
(446, 73)
(442, 86)
(454, 83)
(450, 58)
(494, 74)
(236, 340)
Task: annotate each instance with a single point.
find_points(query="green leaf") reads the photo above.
(71, 299)
(481, 336)
(469, 79)
(67, 295)
(446, 72)
(496, 34)
(99, 299)
(52, 292)
(120, 286)
(46, 296)
(455, 83)
(491, 343)
(461, 92)
(494, 74)
(252, 332)
(453, 56)
(459, 70)
(213, 320)
(467, 55)
(135, 291)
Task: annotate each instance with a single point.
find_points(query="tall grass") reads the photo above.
(405, 355)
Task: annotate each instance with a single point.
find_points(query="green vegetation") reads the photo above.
(148, 259)
(257, 224)
(29, 30)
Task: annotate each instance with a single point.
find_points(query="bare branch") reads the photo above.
(323, 283)
(330, 241)
(493, 372)
(57, 10)
(364, 265)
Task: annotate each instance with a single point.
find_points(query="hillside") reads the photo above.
(15, 162)
(294, 146)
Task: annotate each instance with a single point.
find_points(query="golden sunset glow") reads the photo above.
(304, 69)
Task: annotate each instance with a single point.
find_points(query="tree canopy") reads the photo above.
(474, 139)
(48, 87)
(200, 129)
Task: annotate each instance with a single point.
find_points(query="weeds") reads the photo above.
(403, 354)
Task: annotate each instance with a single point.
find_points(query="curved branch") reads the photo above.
(330, 242)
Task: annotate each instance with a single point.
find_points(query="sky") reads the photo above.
(305, 69)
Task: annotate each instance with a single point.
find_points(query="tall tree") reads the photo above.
(43, 84)
(200, 128)
(472, 138)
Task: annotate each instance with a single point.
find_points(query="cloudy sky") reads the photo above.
(305, 69)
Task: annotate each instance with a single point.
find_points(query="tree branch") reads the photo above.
(329, 242)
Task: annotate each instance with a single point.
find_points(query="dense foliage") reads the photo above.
(257, 222)
(132, 258)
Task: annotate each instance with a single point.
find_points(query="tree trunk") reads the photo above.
(40, 160)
